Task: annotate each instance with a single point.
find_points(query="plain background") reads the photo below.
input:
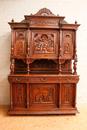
(73, 10)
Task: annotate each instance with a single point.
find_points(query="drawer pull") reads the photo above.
(17, 79)
(43, 79)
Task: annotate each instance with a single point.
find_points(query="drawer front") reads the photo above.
(43, 79)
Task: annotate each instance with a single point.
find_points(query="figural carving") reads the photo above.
(43, 43)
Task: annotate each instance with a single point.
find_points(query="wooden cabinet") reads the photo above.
(43, 72)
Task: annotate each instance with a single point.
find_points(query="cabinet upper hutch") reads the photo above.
(43, 70)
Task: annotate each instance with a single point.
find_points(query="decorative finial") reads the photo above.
(12, 20)
(75, 22)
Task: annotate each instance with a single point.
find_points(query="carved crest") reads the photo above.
(44, 12)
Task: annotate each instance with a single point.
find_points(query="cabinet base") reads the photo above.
(59, 112)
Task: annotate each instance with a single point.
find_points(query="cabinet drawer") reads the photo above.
(43, 79)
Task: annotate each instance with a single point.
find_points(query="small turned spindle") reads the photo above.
(12, 66)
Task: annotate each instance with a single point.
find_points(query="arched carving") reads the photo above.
(44, 12)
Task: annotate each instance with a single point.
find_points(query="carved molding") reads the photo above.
(50, 79)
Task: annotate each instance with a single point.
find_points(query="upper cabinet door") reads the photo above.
(44, 44)
(68, 44)
(19, 44)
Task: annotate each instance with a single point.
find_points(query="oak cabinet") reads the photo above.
(43, 71)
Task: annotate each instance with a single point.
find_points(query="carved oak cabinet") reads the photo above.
(43, 73)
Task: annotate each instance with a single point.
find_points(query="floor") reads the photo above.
(77, 122)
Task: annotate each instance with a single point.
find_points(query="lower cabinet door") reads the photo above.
(68, 93)
(19, 95)
(43, 96)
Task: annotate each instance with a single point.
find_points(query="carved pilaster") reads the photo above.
(75, 59)
(60, 52)
(75, 65)
(28, 51)
(12, 43)
(11, 97)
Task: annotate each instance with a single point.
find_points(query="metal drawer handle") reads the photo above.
(43, 79)
(17, 79)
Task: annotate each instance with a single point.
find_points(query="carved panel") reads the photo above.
(43, 22)
(68, 44)
(19, 95)
(44, 42)
(42, 93)
(67, 92)
(20, 44)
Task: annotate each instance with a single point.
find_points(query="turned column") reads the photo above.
(60, 49)
(75, 56)
(28, 50)
(12, 65)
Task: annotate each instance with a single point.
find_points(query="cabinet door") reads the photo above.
(44, 44)
(68, 42)
(19, 95)
(43, 96)
(19, 43)
(67, 95)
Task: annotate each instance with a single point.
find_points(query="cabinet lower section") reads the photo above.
(32, 97)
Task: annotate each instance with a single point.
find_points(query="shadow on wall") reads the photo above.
(5, 45)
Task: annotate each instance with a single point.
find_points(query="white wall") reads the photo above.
(71, 9)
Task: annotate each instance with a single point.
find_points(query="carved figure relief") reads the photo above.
(67, 98)
(68, 44)
(20, 95)
(19, 47)
(43, 43)
(43, 94)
